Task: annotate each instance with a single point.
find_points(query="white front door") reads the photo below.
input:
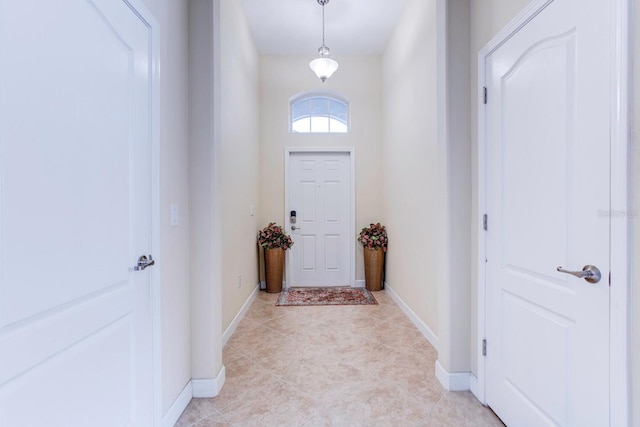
(75, 214)
(320, 195)
(548, 189)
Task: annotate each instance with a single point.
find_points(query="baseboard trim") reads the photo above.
(194, 388)
(209, 387)
(263, 285)
(473, 386)
(179, 405)
(452, 381)
(236, 320)
(360, 284)
(422, 327)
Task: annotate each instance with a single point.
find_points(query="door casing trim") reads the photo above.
(351, 151)
(620, 281)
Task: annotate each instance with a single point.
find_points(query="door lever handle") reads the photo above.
(590, 273)
(144, 262)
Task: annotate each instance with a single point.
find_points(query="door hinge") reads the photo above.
(484, 96)
(485, 222)
(484, 347)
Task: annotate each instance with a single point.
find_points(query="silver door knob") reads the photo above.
(590, 273)
(294, 228)
(144, 262)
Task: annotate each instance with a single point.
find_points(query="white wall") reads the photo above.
(205, 218)
(454, 134)
(239, 154)
(413, 190)
(173, 263)
(358, 79)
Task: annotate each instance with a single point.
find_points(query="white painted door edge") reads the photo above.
(621, 255)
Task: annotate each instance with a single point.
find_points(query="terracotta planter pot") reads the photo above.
(373, 268)
(274, 269)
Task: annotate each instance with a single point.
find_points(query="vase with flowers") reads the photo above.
(275, 242)
(374, 242)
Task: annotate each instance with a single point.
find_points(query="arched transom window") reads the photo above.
(319, 113)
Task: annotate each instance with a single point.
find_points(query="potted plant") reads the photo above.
(274, 241)
(374, 242)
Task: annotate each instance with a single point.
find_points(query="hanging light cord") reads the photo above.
(323, 23)
(323, 49)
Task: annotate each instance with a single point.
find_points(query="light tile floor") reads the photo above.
(332, 366)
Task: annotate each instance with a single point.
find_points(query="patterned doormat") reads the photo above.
(326, 296)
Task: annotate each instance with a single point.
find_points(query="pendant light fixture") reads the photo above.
(324, 66)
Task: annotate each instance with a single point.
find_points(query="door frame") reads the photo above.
(620, 256)
(155, 285)
(351, 151)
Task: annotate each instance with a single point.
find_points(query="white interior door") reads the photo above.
(320, 194)
(75, 214)
(548, 185)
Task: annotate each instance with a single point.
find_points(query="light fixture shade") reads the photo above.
(323, 67)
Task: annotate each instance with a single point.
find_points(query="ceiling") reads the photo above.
(294, 27)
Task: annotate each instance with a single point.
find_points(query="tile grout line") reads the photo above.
(435, 405)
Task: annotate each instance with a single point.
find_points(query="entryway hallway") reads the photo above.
(332, 366)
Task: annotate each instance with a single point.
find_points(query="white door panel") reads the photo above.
(75, 337)
(320, 194)
(548, 163)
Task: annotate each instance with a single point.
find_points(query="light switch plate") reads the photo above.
(175, 215)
